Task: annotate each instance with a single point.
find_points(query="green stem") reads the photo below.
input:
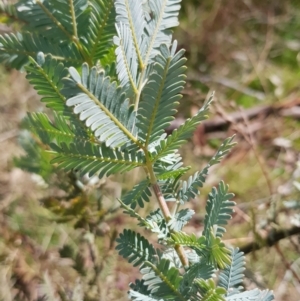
(139, 89)
(71, 37)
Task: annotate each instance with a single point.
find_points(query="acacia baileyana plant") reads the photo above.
(112, 75)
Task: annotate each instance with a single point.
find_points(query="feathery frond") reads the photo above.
(59, 131)
(135, 248)
(46, 78)
(56, 19)
(139, 194)
(179, 136)
(219, 209)
(99, 38)
(102, 127)
(126, 58)
(158, 224)
(164, 16)
(102, 105)
(231, 277)
(130, 13)
(190, 188)
(94, 159)
(191, 241)
(180, 219)
(161, 94)
(162, 280)
(15, 49)
(208, 290)
(216, 253)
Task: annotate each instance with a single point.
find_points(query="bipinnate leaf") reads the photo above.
(162, 280)
(140, 34)
(232, 276)
(160, 95)
(57, 20)
(190, 188)
(135, 248)
(157, 224)
(102, 105)
(47, 81)
(180, 219)
(131, 14)
(93, 159)
(139, 194)
(209, 291)
(61, 130)
(15, 50)
(190, 240)
(219, 209)
(162, 18)
(99, 37)
(216, 253)
(180, 135)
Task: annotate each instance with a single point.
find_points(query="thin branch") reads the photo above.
(286, 263)
(272, 238)
(165, 211)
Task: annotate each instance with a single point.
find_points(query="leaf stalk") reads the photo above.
(165, 211)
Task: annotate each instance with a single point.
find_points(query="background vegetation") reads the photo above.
(51, 239)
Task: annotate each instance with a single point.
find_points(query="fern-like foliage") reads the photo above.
(161, 94)
(15, 49)
(135, 248)
(102, 105)
(46, 78)
(231, 277)
(197, 244)
(99, 38)
(180, 219)
(216, 253)
(73, 32)
(162, 280)
(180, 135)
(218, 210)
(164, 16)
(58, 131)
(190, 188)
(209, 291)
(57, 20)
(139, 194)
(93, 159)
(112, 76)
